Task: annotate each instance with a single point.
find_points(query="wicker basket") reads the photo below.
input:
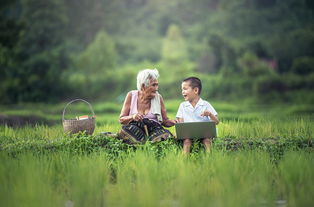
(73, 126)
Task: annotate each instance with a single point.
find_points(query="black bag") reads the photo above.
(137, 132)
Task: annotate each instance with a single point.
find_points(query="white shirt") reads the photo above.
(191, 114)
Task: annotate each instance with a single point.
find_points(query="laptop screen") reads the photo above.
(195, 130)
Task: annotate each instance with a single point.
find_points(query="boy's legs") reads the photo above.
(207, 144)
(186, 146)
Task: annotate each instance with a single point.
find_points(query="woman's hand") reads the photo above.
(173, 122)
(169, 123)
(137, 117)
(180, 120)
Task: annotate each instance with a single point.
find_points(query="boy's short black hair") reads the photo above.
(194, 83)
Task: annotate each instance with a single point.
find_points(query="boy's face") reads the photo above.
(189, 93)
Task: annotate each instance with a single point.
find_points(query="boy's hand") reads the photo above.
(206, 113)
(211, 115)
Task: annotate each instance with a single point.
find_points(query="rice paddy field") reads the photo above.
(263, 156)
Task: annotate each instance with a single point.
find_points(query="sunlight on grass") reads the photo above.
(291, 127)
(139, 179)
(43, 166)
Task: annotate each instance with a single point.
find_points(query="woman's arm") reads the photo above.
(180, 120)
(165, 120)
(124, 115)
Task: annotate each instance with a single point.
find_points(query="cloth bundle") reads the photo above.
(137, 132)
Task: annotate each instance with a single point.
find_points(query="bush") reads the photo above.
(226, 88)
(107, 86)
(253, 67)
(298, 82)
(288, 87)
(269, 88)
(99, 56)
(303, 65)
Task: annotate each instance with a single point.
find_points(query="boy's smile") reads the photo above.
(189, 93)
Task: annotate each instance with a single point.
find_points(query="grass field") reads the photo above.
(41, 166)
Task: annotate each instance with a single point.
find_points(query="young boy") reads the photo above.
(195, 109)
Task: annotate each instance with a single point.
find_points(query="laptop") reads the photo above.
(195, 130)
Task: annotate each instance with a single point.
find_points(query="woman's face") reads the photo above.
(151, 90)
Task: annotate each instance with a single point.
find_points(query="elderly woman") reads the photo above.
(143, 112)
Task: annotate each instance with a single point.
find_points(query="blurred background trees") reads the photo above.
(246, 49)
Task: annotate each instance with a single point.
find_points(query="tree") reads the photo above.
(40, 53)
(252, 67)
(99, 56)
(174, 47)
(175, 64)
(303, 65)
(9, 28)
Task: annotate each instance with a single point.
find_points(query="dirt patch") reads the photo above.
(18, 121)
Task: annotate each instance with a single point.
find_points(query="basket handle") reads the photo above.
(90, 106)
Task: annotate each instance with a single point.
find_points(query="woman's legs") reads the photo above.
(207, 144)
(186, 146)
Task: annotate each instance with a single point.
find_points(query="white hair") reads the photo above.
(145, 76)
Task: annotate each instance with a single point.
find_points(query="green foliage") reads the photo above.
(94, 70)
(174, 48)
(240, 128)
(253, 67)
(288, 87)
(218, 42)
(99, 56)
(303, 65)
(171, 76)
(38, 56)
(232, 87)
(269, 87)
(64, 178)
(134, 50)
(224, 53)
(106, 85)
(258, 155)
(174, 65)
(113, 147)
(291, 164)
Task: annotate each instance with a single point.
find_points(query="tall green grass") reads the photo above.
(243, 178)
(42, 166)
(265, 127)
(108, 112)
(268, 127)
(53, 179)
